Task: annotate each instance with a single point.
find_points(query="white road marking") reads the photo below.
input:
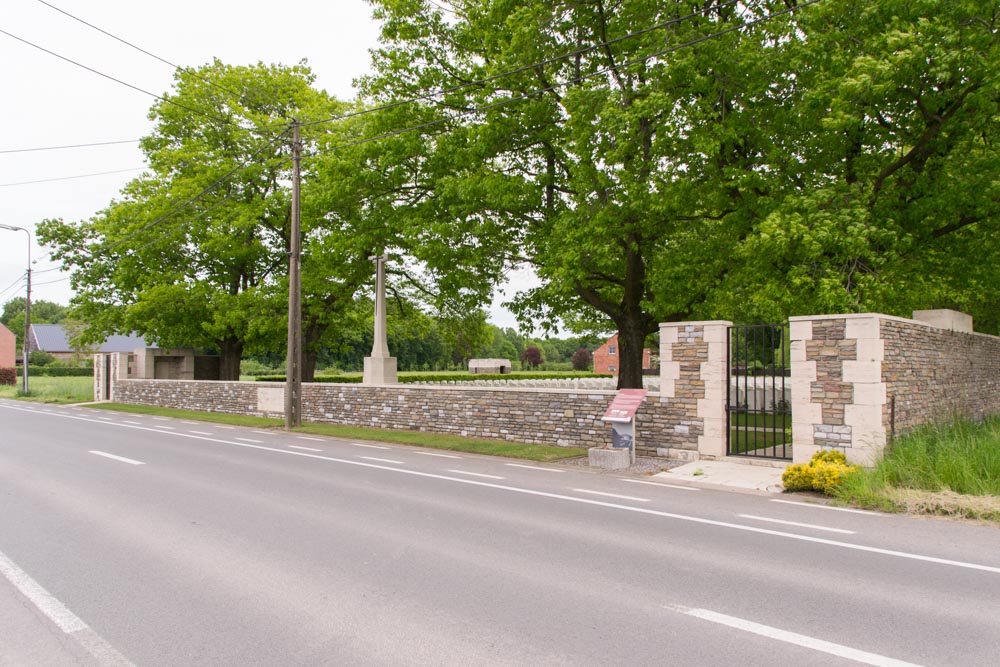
(372, 458)
(668, 486)
(60, 615)
(475, 474)
(306, 449)
(168, 428)
(117, 458)
(228, 428)
(828, 507)
(201, 432)
(262, 432)
(359, 444)
(540, 468)
(306, 437)
(796, 523)
(556, 496)
(160, 419)
(247, 440)
(128, 422)
(612, 495)
(805, 641)
(192, 423)
(440, 456)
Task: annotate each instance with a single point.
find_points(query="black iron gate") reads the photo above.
(759, 401)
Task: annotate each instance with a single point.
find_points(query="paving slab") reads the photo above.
(728, 474)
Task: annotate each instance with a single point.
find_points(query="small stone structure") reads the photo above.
(490, 366)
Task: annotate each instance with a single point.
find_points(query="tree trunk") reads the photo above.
(230, 353)
(631, 339)
(310, 343)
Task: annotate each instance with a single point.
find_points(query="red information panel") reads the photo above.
(623, 408)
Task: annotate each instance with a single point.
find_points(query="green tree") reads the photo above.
(42, 312)
(624, 179)
(892, 159)
(208, 274)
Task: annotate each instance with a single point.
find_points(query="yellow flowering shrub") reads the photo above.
(823, 473)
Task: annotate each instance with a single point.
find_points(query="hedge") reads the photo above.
(446, 377)
(7, 376)
(58, 371)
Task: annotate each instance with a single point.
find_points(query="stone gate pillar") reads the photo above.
(693, 385)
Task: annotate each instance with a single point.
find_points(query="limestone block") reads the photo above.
(800, 329)
(869, 393)
(951, 320)
(609, 459)
(866, 371)
(271, 399)
(862, 327)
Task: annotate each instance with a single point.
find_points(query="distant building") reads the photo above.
(607, 357)
(8, 348)
(52, 338)
(492, 366)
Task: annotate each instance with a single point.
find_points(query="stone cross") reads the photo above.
(380, 368)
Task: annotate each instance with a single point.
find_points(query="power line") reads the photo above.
(524, 68)
(119, 81)
(13, 286)
(70, 178)
(57, 148)
(142, 50)
(599, 72)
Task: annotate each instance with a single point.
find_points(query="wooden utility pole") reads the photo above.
(293, 365)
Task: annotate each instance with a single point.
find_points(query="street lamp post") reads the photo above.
(27, 307)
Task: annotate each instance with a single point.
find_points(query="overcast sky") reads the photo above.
(50, 102)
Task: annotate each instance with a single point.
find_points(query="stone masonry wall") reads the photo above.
(829, 348)
(693, 388)
(934, 374)
(837, 390)
(537, 416)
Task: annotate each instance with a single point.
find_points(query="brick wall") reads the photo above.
(537, 416)
(933, 373)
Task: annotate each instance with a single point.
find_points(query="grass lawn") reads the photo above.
(950, 469)
(437, 441)
(44, 389)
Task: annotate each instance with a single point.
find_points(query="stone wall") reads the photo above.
(537, 416)
(858, 379)
(693, 388)
(933, 374)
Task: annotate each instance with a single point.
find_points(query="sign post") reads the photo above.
(621, 415)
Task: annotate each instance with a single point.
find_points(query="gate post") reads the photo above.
(693, 385)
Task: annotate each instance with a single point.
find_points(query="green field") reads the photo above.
(53, 390)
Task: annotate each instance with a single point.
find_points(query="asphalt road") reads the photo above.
(131, 539)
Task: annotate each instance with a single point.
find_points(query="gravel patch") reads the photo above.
(644, 465)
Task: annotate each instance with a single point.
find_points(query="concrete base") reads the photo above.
(678, 454)
(609, 459)
(380, 370)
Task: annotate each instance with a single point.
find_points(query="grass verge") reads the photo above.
(454, 443)
(46, 389)
(948, 469)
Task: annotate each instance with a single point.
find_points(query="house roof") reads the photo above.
(53, 338)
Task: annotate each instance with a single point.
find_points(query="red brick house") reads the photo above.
(8, 347)
(606, 357)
